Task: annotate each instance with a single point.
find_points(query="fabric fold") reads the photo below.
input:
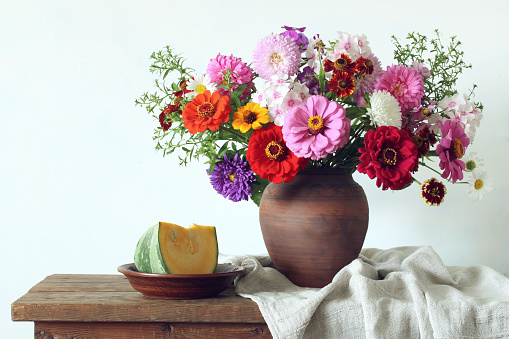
(403, 292)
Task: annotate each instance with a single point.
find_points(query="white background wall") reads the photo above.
(80, 179)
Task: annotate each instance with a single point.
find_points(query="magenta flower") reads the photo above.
(404, 83)
(297, 35)
(451, 149)
(316, 128)
(274, 54)
(239, 73)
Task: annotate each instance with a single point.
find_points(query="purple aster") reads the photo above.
(232, 178)
(297, 36)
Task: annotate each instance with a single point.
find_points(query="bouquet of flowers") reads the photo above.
(306, 103)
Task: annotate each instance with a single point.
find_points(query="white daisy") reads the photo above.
(200, 84)
(480, 183)
(472, 161)
(384, 110)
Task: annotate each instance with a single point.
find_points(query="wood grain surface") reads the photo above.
(106, 306)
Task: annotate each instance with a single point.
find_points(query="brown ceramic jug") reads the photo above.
(315, 225)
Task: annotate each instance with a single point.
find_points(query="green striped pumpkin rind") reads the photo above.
(147, 256)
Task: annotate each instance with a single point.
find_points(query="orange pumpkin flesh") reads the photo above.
(190, 250)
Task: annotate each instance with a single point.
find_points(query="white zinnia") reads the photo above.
(384, 110)
(480, 183)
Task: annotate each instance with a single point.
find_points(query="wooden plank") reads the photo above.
(110, 298)
(131, 307)
(46, 286)
(82, 282)
(207, 331)
(49, 330)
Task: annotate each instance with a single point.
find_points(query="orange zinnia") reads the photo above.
(206, 110)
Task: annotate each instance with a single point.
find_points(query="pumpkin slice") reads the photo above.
(169, 248)
(190, 250)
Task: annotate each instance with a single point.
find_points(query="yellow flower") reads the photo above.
(250, 116)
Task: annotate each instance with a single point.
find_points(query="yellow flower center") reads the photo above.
(231, 177)
(200, 89)
(388, 156)
(276, 58)
(275, 151)
(315, 123)
(249, 117)
(206, 110)
(399, 89)
(457, 149)
(478, 184)
(426, 112)
(435, 192)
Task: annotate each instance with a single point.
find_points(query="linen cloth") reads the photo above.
(403, 292)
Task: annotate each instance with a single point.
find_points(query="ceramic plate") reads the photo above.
(181, 286)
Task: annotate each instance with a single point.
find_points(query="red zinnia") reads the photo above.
(389, 155)
(206, 110)
(433, 192)
(269, 157)
(342, 84)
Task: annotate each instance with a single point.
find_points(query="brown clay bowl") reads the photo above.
(181, 286)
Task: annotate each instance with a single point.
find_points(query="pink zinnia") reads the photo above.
(240, 73)
(451, 149)
(274, 54)
(316, 128)
(404, 83)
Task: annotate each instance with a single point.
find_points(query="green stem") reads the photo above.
(431, 168)
(361, 128)
(229, 130)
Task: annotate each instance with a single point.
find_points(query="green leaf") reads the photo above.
(212, 165)
(222, 150)
(355, 112)
(175, 87)
(235, 95)
(166, 73)
(257, 189)
(321, 79)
